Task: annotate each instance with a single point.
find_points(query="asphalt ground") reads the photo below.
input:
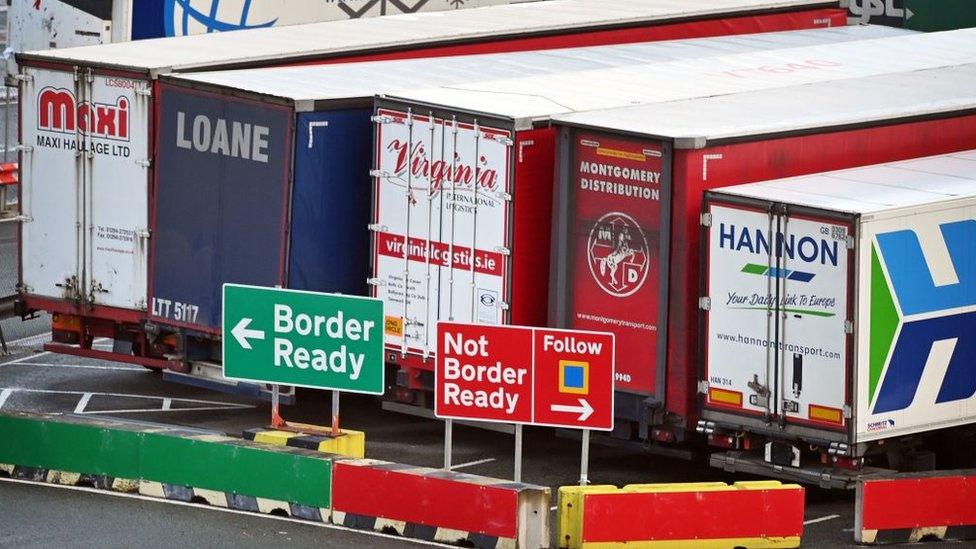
(42, 516)
(33, 380)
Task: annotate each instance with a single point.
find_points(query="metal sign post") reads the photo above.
(276, 421)
(335, 414)
(518, 452)
(585, 458)
(448, 442)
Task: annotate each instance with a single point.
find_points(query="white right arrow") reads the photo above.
(241, 333)
(584, 409)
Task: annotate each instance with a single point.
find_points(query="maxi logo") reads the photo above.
(915, 321)
(58, 111)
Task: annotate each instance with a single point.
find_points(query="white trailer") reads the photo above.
(841, 307)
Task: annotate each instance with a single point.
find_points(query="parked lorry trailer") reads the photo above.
(479, 169)
(258, 221)
(703, 144)
(89, 113)
(841, 314)
(68, 23)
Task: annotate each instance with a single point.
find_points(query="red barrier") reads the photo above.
(9, 173)
(746, 514)
(438, 505)
(908, 507)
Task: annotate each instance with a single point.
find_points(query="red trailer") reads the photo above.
(626, 246)
(86, 223)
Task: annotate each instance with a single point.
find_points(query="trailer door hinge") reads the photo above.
(377, 228)
(706, 220)
(849, 240)
(503, 306)
(703, 387)
(144, 90)
(24, 77)
(17, 219)
(848, 326)
(24, 149)
(143, 233)
(503, 250)
(375, 282)
(378, 173)
(705, 303)
(503, 196)
(384, 119)
(145, 163)
(848, 412)
(504, 140)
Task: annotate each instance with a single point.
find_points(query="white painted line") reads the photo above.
(31, 340)
(230, 511)
(82, 366)
(472, 463)
(155, 397)
(167, 403)
(821, 519)
(24, 358)
(157, 410)
(83, 403)
(4, 395)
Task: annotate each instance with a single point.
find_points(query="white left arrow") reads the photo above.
(584, 409)
(242, 334)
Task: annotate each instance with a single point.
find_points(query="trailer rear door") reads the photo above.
(446, 185)
(776, 311)
(116, 174)
(51, 184)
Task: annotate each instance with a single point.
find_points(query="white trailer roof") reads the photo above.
(696, 122)
(361, 80)
(400, 31)
(873, 189)
(535, 98)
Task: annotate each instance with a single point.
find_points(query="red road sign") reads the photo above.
(514, 374)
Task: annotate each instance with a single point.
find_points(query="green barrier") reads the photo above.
(170, 456)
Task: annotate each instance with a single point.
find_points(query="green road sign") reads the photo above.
(305, 339)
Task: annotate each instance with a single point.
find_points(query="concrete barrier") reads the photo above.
(910, 507)
(438, 505)
(744, 514)
(349, 444)
(163, 461)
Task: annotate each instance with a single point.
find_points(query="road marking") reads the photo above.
(83, 403)
(157, 410)
(472, 463)
(4, 395)
(24, 358)
(231, 511)
(822, 519)
(206, 405)
(32, 340)
(167, 403)
(83, 366)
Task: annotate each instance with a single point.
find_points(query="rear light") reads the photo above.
(722, 441)
(663, 435)
(65, 322)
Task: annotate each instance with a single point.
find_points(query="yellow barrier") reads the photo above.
(350, 443)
